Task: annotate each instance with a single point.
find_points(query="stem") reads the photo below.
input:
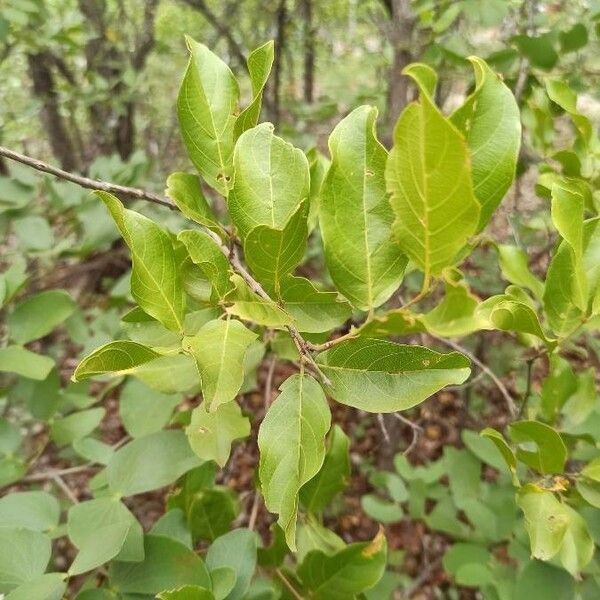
(231, 254)
(424, 291)
(501, 387)
(288, 585)
(85, 182)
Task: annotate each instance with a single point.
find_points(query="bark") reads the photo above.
(309, 50)
(280, 42)
(402, 24)
(40, 70)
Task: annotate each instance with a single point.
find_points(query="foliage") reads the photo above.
(226, 283)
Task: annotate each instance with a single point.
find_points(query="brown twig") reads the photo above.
(417, 430)
(68, 492)
(85, 182)
(288, 585)
(510, 403)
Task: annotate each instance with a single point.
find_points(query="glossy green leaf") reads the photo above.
(186, 191)
(169, 374)
(211, 434)
(433, 219)
(515, 269)
(103, 529)
(156, 283)
(551, 455)
(39, 314)
(38, 511)
(333, 476)
(19, 360)
(381, 376)
(273, 253)
(503, 448)
(313, 311)
(271, 180)
(219, 349)
(150, 462)
(24, 555)
(167, 564)
(301, 416)
(205, 253)
(346, 573)
(115, 358)
(207, 106)
(490, 121)
(50, 586)
(355, 217)
(248, 306)
(144, 410)
(539, 579)
(259, 62)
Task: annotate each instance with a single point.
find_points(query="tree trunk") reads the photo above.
(400, 37)
(44, 88)
(278, 61)
(309, 50)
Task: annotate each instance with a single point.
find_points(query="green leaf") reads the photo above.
(515, 269)
(75, 426)
(211, 513)
(156, 283)
(10, 437)
(248, 306)
(144, 410)
(355, 217)
(271, 180)
(574, 38)
(207, 106)
(24, 555)
(169, 374)
(433, 219)
(301, 416)
(554, 528)
(219, 349)
(236, 550)
(186, 191)
(187, 592)
(538, 49)
(380, 376)
(541, 580)
(333, 476)
(103, 529)
(50, 586)
(273, 253)
(39, 314)
(313, 311)
(383, 511)
(490, 121)
(19, 360)
(346, 573)
(167, 564)
(314, 536)
(211, 434)
(115, 358)
(173, 525)
(259, 62)
(150, 462)
(93, 450)
(552, 453)
(38, 511)
(205, 253)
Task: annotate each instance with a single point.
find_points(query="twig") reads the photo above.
(58, 473)
(303, 346)
(381, 421)
(66, 489)
(268, 391)
(254, 511)
(288, 585)
(417, 431)
(501, 387)
(85, 182)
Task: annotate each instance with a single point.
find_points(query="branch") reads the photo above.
(501, 387)
(304, 347)
(85, 182)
